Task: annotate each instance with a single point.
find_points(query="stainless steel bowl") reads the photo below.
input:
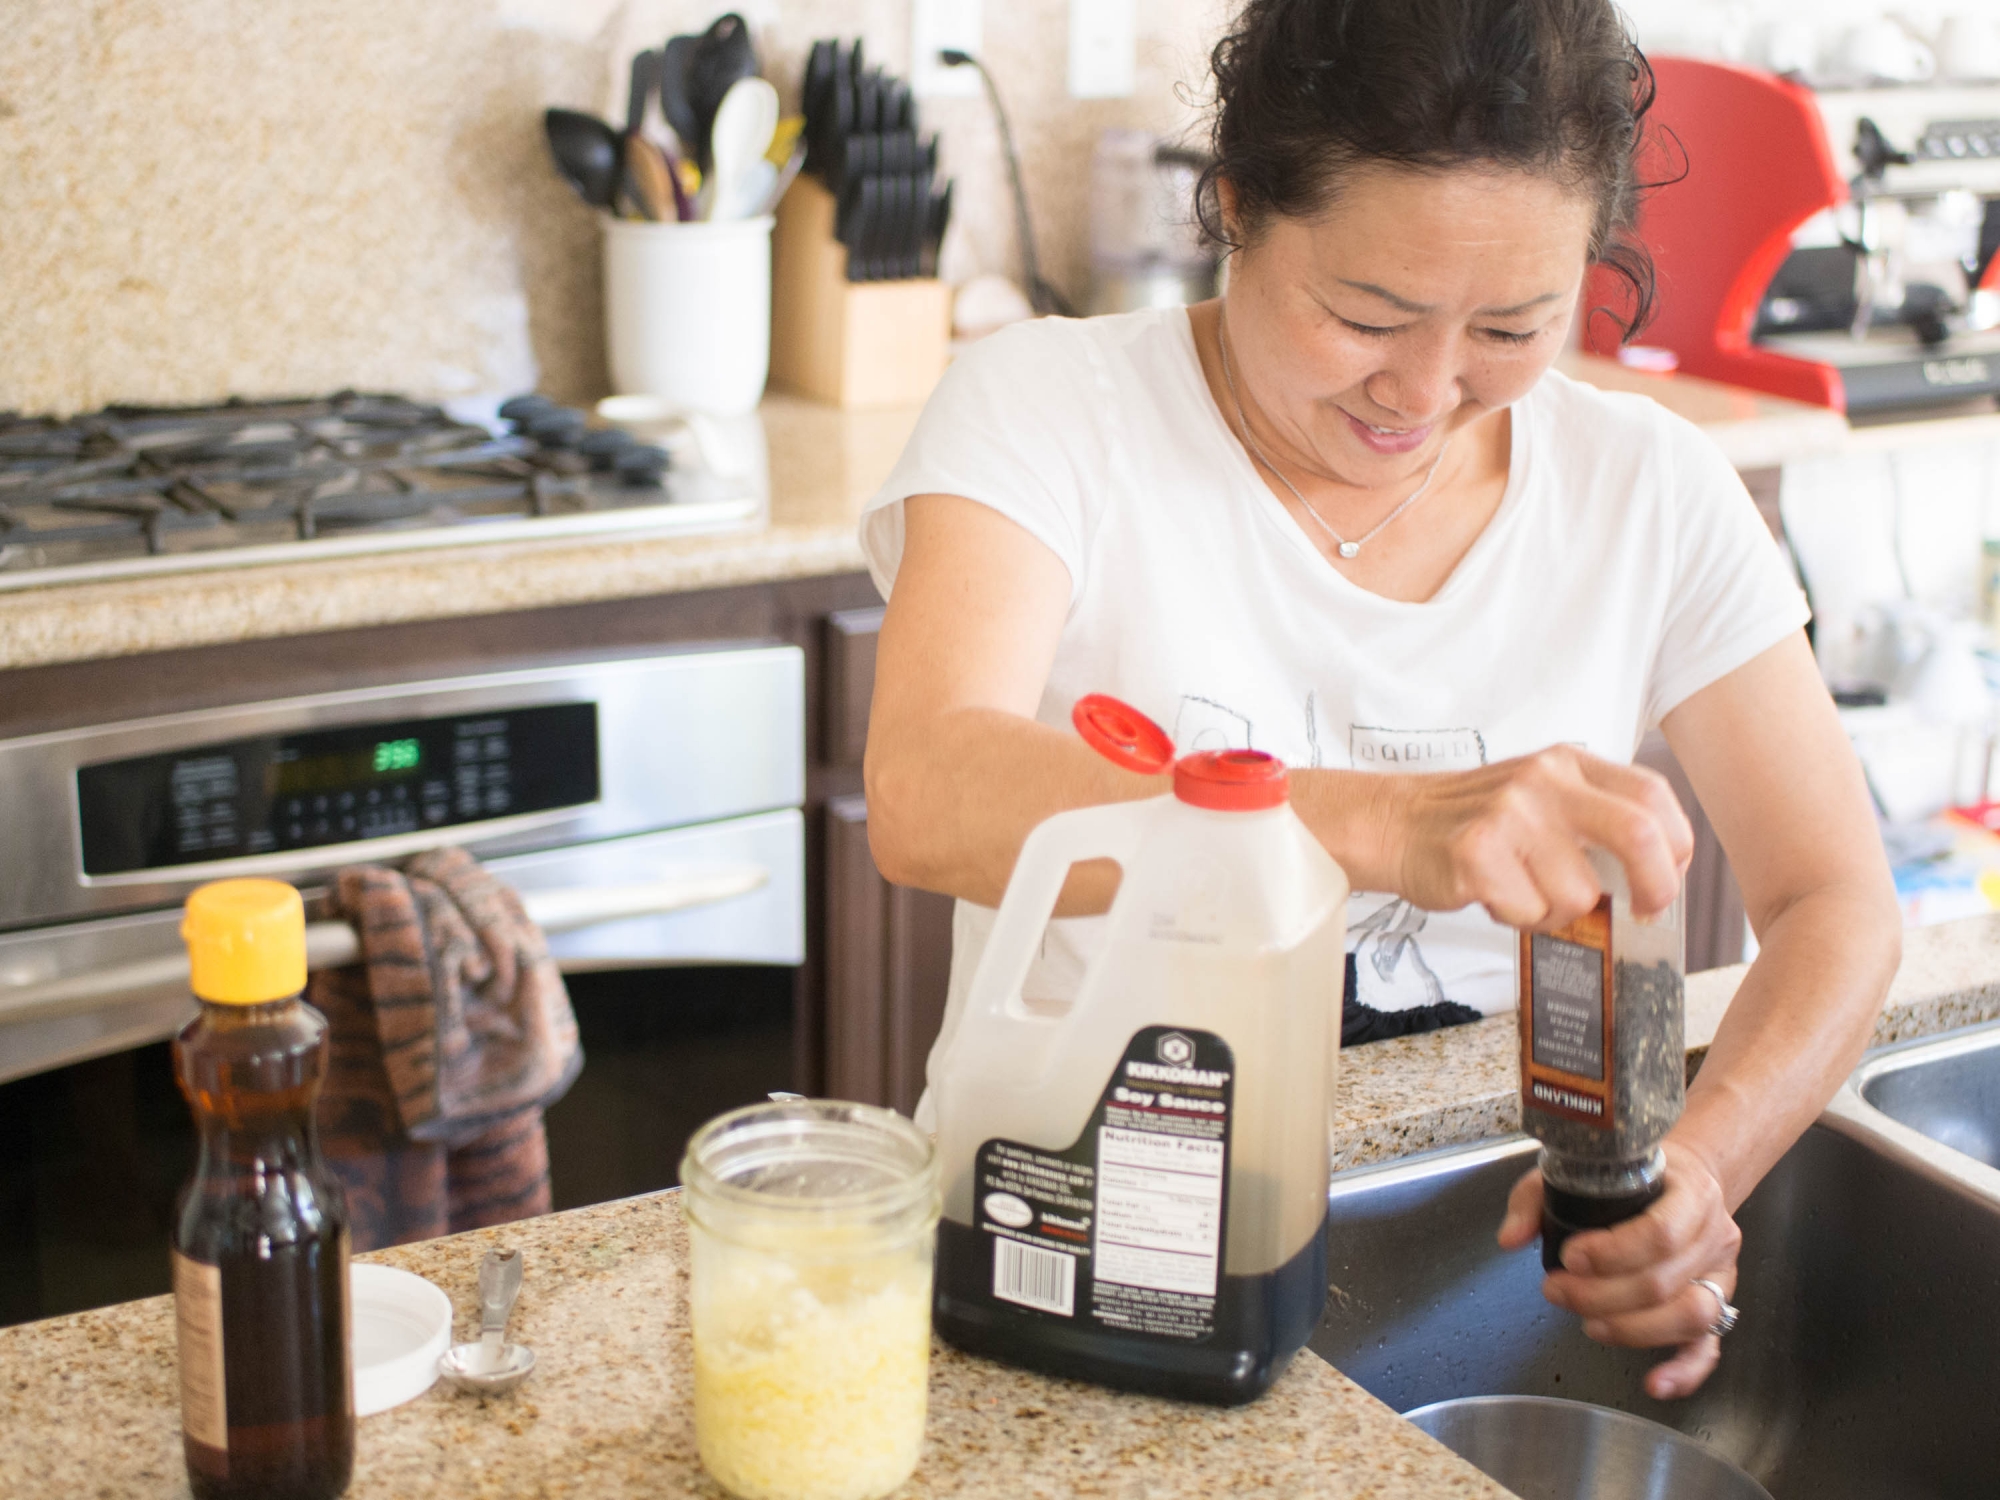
(1545, 1449)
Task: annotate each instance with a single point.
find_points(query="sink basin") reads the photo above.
(1863, 1366)
(1945, 1089)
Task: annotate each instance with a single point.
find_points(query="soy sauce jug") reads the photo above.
(1135, 1188)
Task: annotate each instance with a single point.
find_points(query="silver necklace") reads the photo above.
(1345, 547)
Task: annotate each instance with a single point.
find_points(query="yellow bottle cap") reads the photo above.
(246, 941)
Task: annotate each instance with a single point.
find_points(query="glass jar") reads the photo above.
(810, 1229)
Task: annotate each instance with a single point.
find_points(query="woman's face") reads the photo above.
(1416, 303)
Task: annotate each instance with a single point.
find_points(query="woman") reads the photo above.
(1349, 514)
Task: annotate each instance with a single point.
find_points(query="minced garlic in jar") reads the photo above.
(809, 1386)
(811, 1226)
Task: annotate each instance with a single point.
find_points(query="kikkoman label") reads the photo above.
(1122, 1231)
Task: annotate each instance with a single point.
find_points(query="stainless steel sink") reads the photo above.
(1944, 1089)
(1865, 1364)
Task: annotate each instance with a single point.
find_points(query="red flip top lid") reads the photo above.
(1224, 780)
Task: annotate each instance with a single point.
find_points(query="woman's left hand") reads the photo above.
(1633, 1284)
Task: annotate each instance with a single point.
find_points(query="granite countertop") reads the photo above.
(825, 463)
(88, 1402)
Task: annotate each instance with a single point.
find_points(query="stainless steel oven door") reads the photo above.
(725, 892)
(684, 738)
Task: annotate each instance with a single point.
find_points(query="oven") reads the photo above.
(645, 802)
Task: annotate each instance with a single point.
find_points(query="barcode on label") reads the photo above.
(1041, 1279)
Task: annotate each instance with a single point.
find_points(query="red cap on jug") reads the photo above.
(1232, 780)
(1122, 735)
(1224, 780)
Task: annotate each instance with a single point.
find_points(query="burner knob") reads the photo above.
(559, 427)
(603, 445)
(642, 465)
(520, 410)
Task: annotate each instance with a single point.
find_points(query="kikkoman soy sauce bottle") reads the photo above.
(1135, 1188)
(260, 1239)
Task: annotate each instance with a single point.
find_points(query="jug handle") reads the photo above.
(1110, 831)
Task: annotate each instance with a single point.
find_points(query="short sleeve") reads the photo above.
(1011, 426)
(1733, 596)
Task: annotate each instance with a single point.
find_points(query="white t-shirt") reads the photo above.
(1625, 569)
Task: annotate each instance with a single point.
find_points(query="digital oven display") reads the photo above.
(334, 786)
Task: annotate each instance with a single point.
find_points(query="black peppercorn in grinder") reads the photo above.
(1603, 1058)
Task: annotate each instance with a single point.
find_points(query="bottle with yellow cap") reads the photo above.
(260, 1238)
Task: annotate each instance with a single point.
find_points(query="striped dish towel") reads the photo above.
(449, 1038)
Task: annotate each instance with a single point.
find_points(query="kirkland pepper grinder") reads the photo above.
(1603, 1058)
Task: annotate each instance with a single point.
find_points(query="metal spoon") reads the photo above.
(491, 1366)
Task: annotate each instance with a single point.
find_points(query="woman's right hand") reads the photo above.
(1511, 837)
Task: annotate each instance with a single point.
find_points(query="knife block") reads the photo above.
(851, 343)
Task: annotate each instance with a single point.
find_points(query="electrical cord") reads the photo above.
(1043, 297)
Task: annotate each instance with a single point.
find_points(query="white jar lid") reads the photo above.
(402, 1323)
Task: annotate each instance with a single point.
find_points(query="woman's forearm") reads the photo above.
(950, 806)
(1795, 1029)
(1355, 816)
(952, 815)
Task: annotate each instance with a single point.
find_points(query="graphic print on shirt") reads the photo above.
(1204, 724)
(1390, 970)
(1371, 748)
(1382, 941)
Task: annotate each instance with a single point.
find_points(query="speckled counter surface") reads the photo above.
(88, 1403)
(825, 463)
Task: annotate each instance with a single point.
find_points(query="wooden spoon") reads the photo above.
(649, 179)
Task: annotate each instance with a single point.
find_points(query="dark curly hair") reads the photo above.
(1305, 89)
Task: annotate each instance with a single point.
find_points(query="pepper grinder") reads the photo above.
(1603, 1058)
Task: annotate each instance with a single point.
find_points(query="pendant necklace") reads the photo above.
(1342, 545)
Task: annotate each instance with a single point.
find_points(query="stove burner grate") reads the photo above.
(139, 481)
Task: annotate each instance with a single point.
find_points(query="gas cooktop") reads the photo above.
(132, 490)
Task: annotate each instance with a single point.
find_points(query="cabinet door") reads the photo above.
(888, 948)
(850, 681)
(888, 961)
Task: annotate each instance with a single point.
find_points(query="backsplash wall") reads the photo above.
(204, 198)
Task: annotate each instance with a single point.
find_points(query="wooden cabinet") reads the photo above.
(888, 948)
(888, 959)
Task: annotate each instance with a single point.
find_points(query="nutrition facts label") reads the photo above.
(1159, 1210)
(1123, 1228)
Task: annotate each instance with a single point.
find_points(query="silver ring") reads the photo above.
(1726, 1312)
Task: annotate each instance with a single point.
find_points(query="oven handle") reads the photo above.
(329, 945)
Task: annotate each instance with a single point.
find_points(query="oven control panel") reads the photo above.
(268, 794)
